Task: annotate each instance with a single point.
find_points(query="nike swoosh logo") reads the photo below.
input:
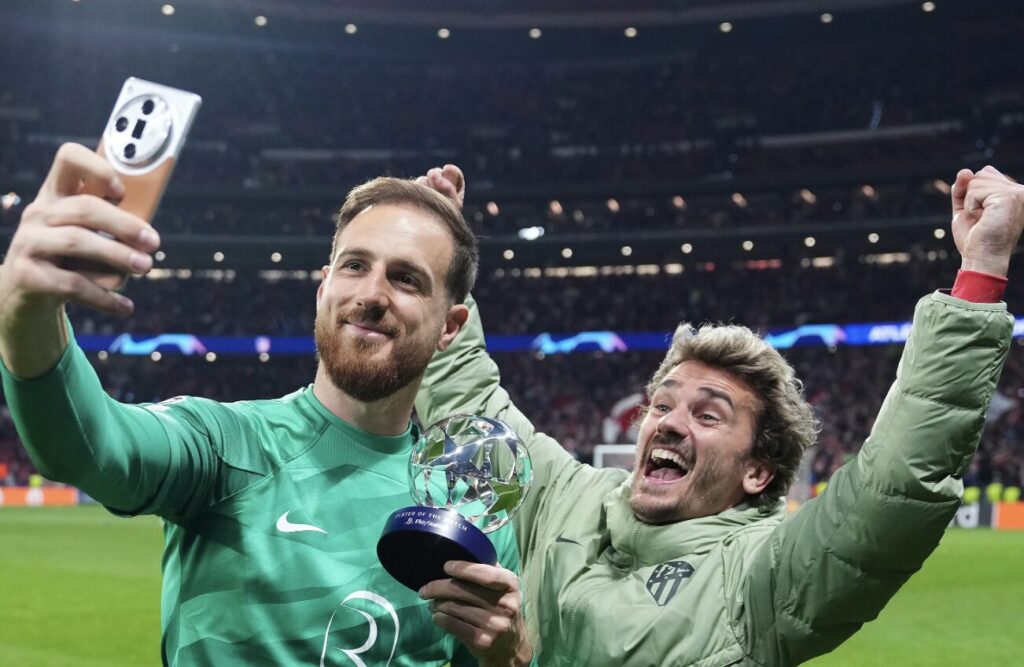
(562, 539)
(286, 526)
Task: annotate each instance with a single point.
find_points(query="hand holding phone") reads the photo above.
(142, 141)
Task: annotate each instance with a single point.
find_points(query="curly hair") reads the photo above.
(786, 425)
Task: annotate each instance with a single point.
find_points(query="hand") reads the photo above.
(448, 180)
(61, 223)
(481, 606)
(988, 217)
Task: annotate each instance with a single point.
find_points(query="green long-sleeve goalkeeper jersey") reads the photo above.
(272, 513)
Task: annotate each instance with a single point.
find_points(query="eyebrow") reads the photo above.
(716, 393)
(403, 264)
(706, 392)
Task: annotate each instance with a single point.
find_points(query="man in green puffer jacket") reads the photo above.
(692, 560)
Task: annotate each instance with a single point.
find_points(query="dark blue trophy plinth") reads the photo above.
(418, 541)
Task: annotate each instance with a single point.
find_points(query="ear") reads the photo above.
(453, 323)
(757, 476)
(324, 272)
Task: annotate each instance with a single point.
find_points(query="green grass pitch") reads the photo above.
(81, 587)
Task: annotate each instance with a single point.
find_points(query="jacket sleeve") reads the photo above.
(464, 379)
(133, 459)
(836, 562)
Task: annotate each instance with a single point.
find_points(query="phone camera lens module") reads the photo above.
(122, 124)
(129, 151)
(147, 107)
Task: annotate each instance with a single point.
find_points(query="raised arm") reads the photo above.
(129, 458)
(464, 379)
(835, 563)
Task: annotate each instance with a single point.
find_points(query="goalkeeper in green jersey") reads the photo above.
(272, 508)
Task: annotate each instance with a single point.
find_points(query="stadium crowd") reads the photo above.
(703, 137)
(572, 395)
(703, 112)
(513, 302)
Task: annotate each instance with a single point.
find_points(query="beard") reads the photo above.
(351, 365)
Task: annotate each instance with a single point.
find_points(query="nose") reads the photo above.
(674, 425)
(374, 292)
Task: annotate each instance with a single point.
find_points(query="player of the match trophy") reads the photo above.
(468, 476)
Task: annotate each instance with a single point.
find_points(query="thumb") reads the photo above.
(958, 192)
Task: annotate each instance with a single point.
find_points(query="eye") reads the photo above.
(408, 280)
(351, 265)
(661, 408)
(708, 417)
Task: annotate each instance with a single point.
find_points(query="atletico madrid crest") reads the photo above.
(666, 579)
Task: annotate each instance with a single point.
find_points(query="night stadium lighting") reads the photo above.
(264, 357)
(940, 233)
(275, 257)
(10, 200)
(748, 245)
(630, 32)
(567, 252)
(626, 251)
(159, 256)
(679, 202)
(530, 233)
(218, 256)
(941, 185)
(686, 248)
(739, 200)
(872, 238)
(444, 33)
(535, 33)
(351, 29)
(168, 10)
(808, 196)
(928, 6)
(260, 21)
(211, 356)
(102, 355)
(613, 205)
(492, 208)
(578, 216)
(869, 191)
(826, 18)
(156, 356)
(809, 241)
(555, 207)
(509, 254)
(725, 26)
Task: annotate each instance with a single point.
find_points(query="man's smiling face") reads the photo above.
(693, 451)
(382, 307)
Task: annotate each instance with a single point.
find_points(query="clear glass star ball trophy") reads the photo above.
(468, 476)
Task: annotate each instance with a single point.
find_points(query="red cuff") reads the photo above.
(979, 287)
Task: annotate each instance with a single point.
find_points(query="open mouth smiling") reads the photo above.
(664, 466)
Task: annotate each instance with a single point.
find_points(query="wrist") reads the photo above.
(993, 266)
(32, 339)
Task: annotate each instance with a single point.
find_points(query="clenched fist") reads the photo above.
(988, 217)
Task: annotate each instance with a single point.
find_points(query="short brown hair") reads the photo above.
(386, 190)
(786, 425)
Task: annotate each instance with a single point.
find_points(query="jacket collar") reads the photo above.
(649, 545)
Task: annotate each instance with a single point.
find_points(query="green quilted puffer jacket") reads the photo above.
(747, 586)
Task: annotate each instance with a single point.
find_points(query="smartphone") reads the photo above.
(142, 141)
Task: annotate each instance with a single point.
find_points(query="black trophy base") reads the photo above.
(418, 541)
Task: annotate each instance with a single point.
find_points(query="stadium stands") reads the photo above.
(806, 152)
